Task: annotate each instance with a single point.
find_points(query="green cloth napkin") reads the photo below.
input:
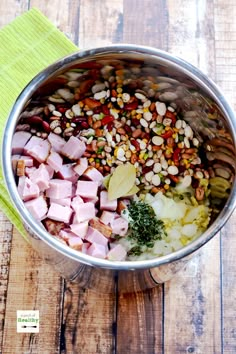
(27, 45)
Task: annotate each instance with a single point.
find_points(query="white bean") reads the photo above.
(157, 140)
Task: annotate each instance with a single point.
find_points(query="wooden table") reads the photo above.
(196, 311)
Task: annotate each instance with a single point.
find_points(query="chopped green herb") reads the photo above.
(100, 150)
(145, 228)
(135, 251)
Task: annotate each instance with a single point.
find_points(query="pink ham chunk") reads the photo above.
(67, 172)
(75, 201)
(27, 189)
(38, 148)
(97, 250)
(117, 253)
(74, 148)
(50, 171)
(37, 207)
(107, 217)
(59, 189)
(85, 247)
(81, 166)
(92, 174)
(119, 226)
(56, 141)
(41, 177)
(61, 201)
(28, 161)
(75, 242)
(84, 212)
(19, 140)
(80, 229)
(105, 203)
(55, 161)
(94, 236)
(29, 171)
(87, 189)
(59, 213)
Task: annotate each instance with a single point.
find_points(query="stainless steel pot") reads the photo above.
(192, 88)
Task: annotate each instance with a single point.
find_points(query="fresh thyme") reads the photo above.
(145, 228)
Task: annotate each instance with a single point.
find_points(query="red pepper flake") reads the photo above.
(107, 119)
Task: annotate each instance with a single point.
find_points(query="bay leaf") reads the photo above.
(121, 181)
(132, 191)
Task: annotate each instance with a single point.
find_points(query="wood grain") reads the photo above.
(192, 298)
(140, 322)
(33, 285)
(5, 247)
(88, 319)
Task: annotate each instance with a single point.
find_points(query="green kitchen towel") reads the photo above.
(27, 45)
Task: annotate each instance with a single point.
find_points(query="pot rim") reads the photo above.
(61, 65)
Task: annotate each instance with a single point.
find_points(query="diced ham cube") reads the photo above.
(84, 212)
(29, 162)
(94, 236)
(92, 174)
(50, 171)
(87, 189)
(97, 224)
(97, 250)
(37, 148)
(55, 161)
(56, 141)
(85, 247)
(29, 171)
(67, 172)
(59, 213)
(37, 207)
(80, 229)
(27, 189)
(117, 253)
(59, 188)
(119, 226)
(107, 217)
(75, 242)
(74, 148)
(81, 166)
(75, 201)
(41, 177)
(105, 203)
(62, 201)
(19, 140)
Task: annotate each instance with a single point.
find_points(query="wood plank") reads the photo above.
(192, 305)
(88, 316)
(33, 285)
(100, 23)
(139, 322)
(8, 10)
(226, 70)
(5, 249)
(139, 315)
(63, 14)
(229, 286)
(87, 321)
(145, 23)
(192, 298)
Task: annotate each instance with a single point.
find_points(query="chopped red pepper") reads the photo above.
(107, 119)
(176, 156)
(171, 115)
(167, 134)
